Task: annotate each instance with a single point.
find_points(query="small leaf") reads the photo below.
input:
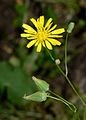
(41, 84)
(70, 27)
(38, 96)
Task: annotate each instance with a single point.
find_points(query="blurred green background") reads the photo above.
(18, 64)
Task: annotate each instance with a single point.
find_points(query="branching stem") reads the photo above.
(62, 72)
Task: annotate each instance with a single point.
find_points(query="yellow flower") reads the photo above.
(44, 35)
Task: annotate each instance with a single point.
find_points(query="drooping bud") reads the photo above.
(38, 96)
(41, 84)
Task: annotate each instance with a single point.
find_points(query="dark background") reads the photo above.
(18, 64)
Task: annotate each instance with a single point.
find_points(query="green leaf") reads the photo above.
(38, 96)
(16, 82)
(41, 84)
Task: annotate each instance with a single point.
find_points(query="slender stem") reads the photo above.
(71, 84)
(50, 55)
(70, 105)
(54, 93)
(55, 98)
(62, 99)
(57, 95)
(67, 79)
(66, 68)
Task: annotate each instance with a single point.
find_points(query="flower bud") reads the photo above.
(38, 96)
(41, 84)
(70, 27)
(57, 61)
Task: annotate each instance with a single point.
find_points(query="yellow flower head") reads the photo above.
(44, 35)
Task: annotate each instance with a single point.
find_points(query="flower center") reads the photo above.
(42, 35)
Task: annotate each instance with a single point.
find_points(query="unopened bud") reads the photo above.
(41, 84)
(38, 96)
(57, 61)
(70, 27)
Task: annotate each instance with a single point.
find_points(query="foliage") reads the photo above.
(15, 81)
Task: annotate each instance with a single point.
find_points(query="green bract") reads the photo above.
(38, 96)
(41, 84)
(70, 27)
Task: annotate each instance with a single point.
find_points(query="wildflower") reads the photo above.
(44, 35)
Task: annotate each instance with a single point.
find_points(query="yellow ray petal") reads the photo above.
(49, 46)
(31, 43)
(52, 28)
(36, 43)
(26, 35)
(29, 28)
(55, 36)
(54, 42)
(58, 31)
(41, 20)
(48, 22)
(39, 47)
(30, 32)
(30, 38)
(38, 23)
(34, 22)
(49, 26)
(43, 43)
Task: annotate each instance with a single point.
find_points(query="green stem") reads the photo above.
(50, 55)
(62, 99)
(57, 96)
(66, 68)
(67, 79)
(70, 105)
(71, 85)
